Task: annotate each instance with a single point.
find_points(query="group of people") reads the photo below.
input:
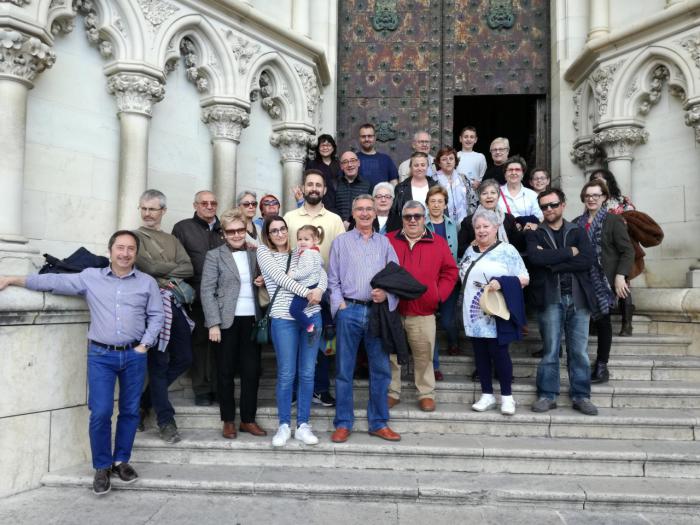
(372, 256)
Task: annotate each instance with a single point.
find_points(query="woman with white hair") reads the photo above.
(486, 265)
(383, 194)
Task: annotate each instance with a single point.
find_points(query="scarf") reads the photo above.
(502, 235)
(601, 287)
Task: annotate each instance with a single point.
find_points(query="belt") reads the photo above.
(356, 301)
(116, 348)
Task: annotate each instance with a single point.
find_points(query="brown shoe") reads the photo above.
(426, 404)
(252, 428)
(385, 433)
(392, 401)
(439, 376)
(453, 350)
(340, 435)
(229, 431)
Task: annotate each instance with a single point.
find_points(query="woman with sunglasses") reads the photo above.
(615, 257)
(294, 347)
(247, 203)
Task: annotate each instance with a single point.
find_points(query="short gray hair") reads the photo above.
(383, 186)
(154, 194)
(413, 204)
(487, 215)
(243, 193)
(415, 135)
(489, 183)
(362, 197)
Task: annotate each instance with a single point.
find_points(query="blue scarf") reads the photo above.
(605, 297)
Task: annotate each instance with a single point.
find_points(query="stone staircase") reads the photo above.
(642, 452)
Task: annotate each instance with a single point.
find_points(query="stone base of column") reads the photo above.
(692, 278)
(17, 257)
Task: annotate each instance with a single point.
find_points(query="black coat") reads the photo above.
(385, 323)
(402, 194)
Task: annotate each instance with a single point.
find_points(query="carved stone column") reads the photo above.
(22, 58)
(225, 123)
(619, 142)
(135, 93)
(598, 18)
(692, 119)
(292, 143)
(300, 16)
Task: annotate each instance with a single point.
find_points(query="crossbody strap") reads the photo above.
(505, 201)
(274, 295)
(466, 274)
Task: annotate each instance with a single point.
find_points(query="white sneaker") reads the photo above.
(507, 405)
(487, 402)
(283, 434)
(303, 433)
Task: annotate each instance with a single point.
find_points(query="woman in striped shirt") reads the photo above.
(291, 342)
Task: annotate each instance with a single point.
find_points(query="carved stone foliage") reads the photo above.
(194, 74)
(292, 144)
(692, 45)
(225, 121)
(658, 77)
(584, 153)
(23, 56)
(385, 18)
(244, 50)
(18, 3)
(135, 93)
(620, 141)
(692, 119)
(157, 11)
(313, 94)
(386, 131)
(602, 79)
(87, 9)
(500, 14)
(577, 109)
(266, 93)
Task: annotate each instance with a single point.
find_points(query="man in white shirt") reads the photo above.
(472, 164)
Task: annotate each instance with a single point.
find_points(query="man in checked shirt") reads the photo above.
(126, 316)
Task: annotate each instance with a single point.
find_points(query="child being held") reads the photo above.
(307, 272)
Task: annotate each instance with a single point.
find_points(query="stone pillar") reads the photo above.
(225, 123)
(598, 19)
(135, 93)
(22, 58)
(619, 142)
(692, 119)
(300, 16)
(292, 143)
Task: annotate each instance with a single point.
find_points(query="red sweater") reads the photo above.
(430, 261)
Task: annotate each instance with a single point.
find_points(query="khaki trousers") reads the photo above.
(420, 332)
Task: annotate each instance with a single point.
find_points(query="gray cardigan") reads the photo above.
(221, 284)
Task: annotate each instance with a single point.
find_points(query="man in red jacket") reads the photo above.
(426, 257)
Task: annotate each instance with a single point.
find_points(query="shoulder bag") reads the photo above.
(261, 329)
(460, 297)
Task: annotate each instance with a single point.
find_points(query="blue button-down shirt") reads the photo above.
(122, 309)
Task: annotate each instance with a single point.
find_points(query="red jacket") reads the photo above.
(430, 261)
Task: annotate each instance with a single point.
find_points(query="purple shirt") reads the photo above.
(352, 264)
(122, 309)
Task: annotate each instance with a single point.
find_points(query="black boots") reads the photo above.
(627, 311)
(600, 373)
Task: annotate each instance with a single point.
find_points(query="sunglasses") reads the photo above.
(271, 203)
(237, 231)
(413, 217)
(550, 206)
(249, 204)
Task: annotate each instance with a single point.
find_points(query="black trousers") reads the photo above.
(237, 354)
(604, 330)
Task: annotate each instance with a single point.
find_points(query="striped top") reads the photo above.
(272, 266)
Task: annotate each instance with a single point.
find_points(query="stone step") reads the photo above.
(594, 493)
(453, 418)
(425, 451)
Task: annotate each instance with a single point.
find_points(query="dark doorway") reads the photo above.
(522, 119)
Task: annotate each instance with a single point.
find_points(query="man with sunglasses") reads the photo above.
(561, 256)
(198, 235)
(428, 258)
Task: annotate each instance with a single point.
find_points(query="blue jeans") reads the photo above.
(352, 326)
(574, 321)
(296, 350)
(448, 322)
(165, 367)
(104, 367)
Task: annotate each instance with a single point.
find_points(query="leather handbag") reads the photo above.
(261, 329)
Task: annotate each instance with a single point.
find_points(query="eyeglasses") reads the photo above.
(498, 150)
(348, 161)
(592, 196)
(408, 217)
(364, 210)
(422, 142)
(550, 206)
(277, 231)
(150, 210)
(387, 196)
(539, 179)
(249, 204)
(367, 136)
(237, 231)
(273, 202)
(208, 204)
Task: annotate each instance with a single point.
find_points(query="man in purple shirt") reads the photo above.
(126, 316)
(356, 257)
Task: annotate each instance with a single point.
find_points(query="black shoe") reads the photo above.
(202, 400)
(600, 373)
(125, 472)
(169, 433)
(143, 414)
(101, 484)
(323, 398)
(475, 375)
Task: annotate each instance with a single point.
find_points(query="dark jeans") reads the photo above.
(296, 310)
(203, 370)
(165, 367)
(604, 331)
(238, 354)
(485, 350)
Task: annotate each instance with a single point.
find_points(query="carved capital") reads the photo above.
(18, 3)
(292, 144)
(225, 122)
(585, 153)
(602, 79)
(692, 119)
(135, 93)
(23, 57)
(619, 142)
